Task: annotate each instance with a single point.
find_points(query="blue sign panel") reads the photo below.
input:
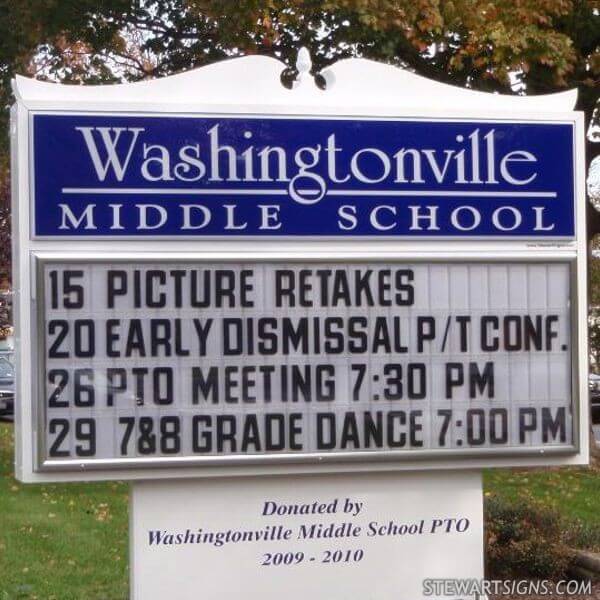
(168, 176)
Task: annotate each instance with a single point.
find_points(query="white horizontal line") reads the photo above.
(284, 192)
(176, 191)
(443, 193)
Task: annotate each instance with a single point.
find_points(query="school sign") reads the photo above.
(222, 285)
(350, 290)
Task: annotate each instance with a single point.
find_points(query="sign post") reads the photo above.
(303, 320)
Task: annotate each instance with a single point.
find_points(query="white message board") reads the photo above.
(147, 363)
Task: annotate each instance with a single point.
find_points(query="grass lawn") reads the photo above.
(60, 542)
(574, 492)
(69, 542)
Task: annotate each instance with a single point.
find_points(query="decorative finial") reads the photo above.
(303, 62)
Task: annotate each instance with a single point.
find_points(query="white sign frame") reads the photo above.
(356, 87)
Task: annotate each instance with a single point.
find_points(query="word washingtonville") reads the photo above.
(472, 161)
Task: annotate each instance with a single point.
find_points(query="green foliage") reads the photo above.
(25, 26)
(546, 43)
(594, 309)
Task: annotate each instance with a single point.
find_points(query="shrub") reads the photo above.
(584, 536)
(524, 540)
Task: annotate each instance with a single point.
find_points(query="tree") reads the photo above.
(544, 45)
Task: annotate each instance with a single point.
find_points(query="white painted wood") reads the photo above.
(256, 80)
(393, 567)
